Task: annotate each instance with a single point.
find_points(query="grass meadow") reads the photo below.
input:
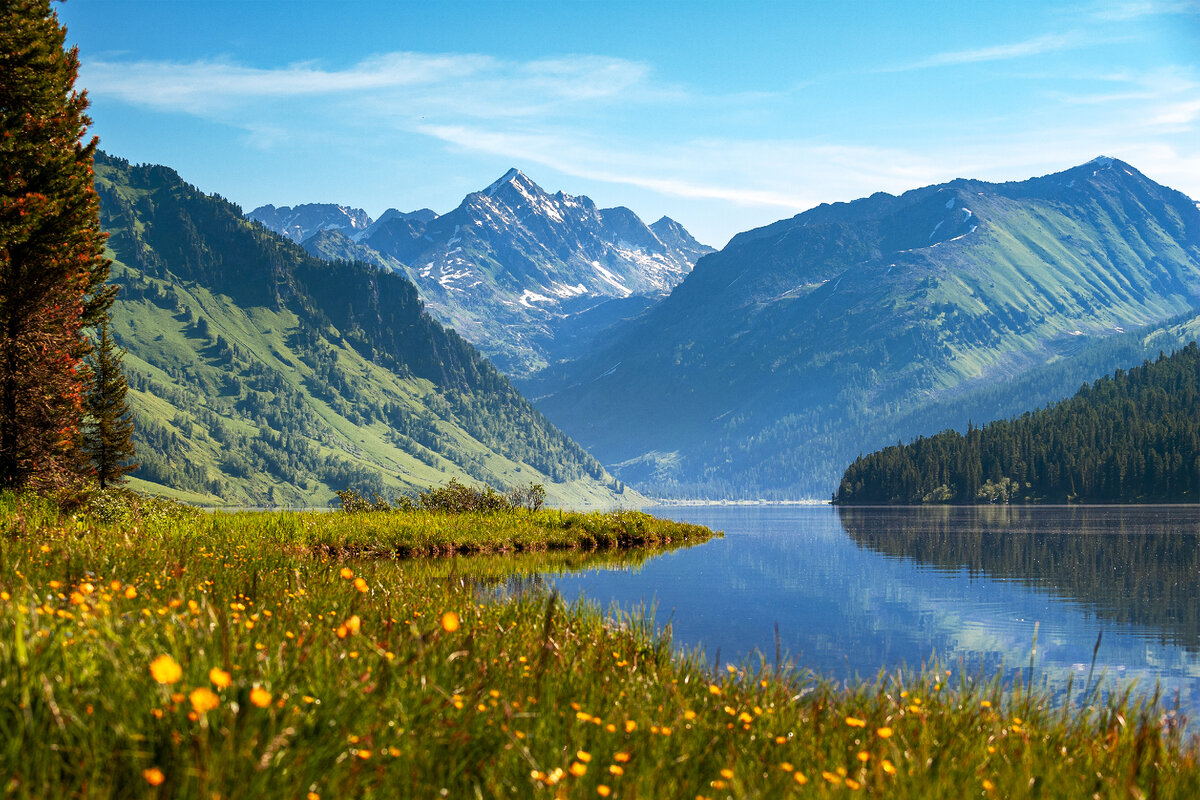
(150, 650)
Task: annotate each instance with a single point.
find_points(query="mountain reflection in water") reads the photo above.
(857, 590)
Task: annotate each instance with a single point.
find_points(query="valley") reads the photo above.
(262, 376)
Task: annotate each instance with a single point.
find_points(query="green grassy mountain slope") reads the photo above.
(810, 340)
(1130, 437)
(260, 374)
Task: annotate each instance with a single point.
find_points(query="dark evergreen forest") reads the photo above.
(1130, 437)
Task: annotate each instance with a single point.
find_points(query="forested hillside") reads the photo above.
(260, 374)
(1132, 437)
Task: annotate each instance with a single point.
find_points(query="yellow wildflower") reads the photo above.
(154, 776)
(450, 622)
(204, 699)
(219, 678)
(164, 669)
(260, 697)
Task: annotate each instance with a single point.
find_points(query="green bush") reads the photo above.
(453, 498)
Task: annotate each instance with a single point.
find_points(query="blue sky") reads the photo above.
(724, 116)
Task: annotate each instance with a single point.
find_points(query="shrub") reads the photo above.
(453, 498)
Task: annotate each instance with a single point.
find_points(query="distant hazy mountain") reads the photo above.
(527, 276)
(303, 221)
(802, 343)
(261, 374)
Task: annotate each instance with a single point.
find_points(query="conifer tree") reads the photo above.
(52, 265)
(108, 429)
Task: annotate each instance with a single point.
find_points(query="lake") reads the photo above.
(857, 590)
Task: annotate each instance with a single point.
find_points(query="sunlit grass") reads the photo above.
(264, 655)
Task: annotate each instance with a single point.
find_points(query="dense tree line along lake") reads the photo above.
(856, 590)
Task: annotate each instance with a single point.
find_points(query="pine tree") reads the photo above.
(52, 265)
(108, 429)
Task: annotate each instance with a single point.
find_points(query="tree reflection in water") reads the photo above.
(1131, 564)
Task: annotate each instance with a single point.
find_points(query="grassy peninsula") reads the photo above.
(151, 650)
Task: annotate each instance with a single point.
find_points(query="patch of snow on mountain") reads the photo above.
(950, 202)
(935, 229)
(608, 372)
(449, 277)
(550, 210)
(562, 290)
(612, 279)
(963, 236)
(505, 178)
(528, 298)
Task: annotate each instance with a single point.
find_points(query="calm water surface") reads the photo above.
(854, 590)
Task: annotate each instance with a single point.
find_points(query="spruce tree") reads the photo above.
(108, 429)
(52, 265)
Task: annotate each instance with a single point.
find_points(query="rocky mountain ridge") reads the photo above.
(515, 269)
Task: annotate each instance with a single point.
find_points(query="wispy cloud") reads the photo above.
(567, 153)
(208, 87)
(1139, 9)
(786, 175)
(1038, 45)
(1167, 99)
(612, 120)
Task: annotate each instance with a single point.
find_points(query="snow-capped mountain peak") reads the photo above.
(514, 265)
(302, 221)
